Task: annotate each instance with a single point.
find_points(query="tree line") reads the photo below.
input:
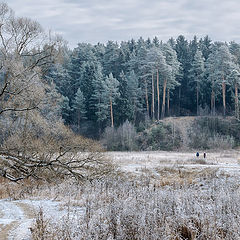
(107, 84)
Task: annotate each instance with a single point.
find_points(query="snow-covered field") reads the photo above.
(92, 201)
(136, 161)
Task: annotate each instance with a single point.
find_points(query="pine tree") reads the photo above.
(138, 64)
(79, 107)
(81, 56)
(193, 47)
(111, 59)
(218, 68)
(184, 57)
(196, 75)
(99, 98)
(205, 46)
(134, 95)
(172, 43)
(156, 42)
(156, 64)
(112, 91)
(234, 79)
(212, 77)
(86, 82)
(59, 74)
(171, 72)
(224, 61)
(132, 45)
(140, 44)
(122, 102)
(65, 109)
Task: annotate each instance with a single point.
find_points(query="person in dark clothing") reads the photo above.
(204, 155)
(197, 154)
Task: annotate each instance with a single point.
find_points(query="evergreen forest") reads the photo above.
(137, 80)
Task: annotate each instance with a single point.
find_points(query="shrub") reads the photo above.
(214, 133)
(122, 138)
(159, 137)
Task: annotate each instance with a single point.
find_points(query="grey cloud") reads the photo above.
(101, 20)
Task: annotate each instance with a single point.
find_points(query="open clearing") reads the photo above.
(16, 216)
(134, 162)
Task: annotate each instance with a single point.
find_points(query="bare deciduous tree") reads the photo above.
(24, 49)
(57, 153)
(33, 142)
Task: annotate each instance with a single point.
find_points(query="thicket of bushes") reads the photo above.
(122, 138)
(205, 133)
(159, 136)
(214, 133)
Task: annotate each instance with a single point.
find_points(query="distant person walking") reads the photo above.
(197, 154)
(204, 155)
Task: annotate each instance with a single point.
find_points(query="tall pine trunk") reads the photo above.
(224, 97)
(168, 102)
(153, 100)
(236, 101)
(164, 98)
(146, 96)
(158, 98)
(111, 109)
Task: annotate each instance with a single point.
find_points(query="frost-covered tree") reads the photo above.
(234, 79)
(156, 64)
(193, 47)
(21, 88)
(212, 77)
(59, 74)
(99, 97)
(139, 65)
(122, 102)
(224, 61)
(89, 71)
(184, 57)
(134, 95)
(111, 59)
(65, 109)
(196, 75)
(205, 46)
(170, 73)
(112, 92)
(79, 108)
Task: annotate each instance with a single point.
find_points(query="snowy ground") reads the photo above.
(136, 161)
(16, 217)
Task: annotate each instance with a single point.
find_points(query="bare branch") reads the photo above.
(18, 110)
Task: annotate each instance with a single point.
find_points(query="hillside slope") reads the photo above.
(206, 132)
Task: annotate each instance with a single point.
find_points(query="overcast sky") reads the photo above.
(95, 21)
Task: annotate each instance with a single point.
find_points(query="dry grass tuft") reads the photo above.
(180, 176)
(178, 204)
